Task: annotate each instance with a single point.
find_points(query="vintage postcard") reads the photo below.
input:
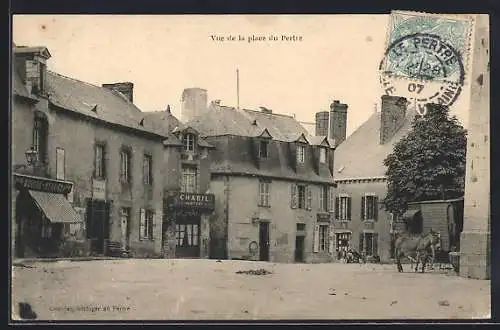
(250, 167)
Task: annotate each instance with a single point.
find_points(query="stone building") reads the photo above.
(360, 219)
(90, 146)
(273, 186)
(188, 205)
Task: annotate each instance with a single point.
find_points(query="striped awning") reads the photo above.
(55, 207)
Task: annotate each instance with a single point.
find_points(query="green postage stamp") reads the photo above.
(426, 56)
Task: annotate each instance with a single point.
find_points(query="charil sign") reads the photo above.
(183, 200)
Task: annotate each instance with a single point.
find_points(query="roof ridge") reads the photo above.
(74, 79)
(271, 113)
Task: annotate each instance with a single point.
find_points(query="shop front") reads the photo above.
(43, 215)
(186, 228)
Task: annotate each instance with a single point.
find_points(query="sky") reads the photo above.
(316, 59)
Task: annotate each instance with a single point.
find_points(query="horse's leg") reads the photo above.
(417, 259)
(424, 261)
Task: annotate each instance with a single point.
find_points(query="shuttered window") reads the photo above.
(264, 193)
(369, 207)
(125, 162)
(301, 154)
(343, 208)
(323, 198)
(99, 161)
(294, 196)
(368, 244)
(146, 224)
(323, 238)
(316, 239)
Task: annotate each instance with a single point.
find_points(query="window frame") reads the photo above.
(40, 137)
(301, 154)
(323, 198)
(369, 204)
(266, 154)
(264, 193)
(322, 155)
(126, 174)
(146, 228)
(184, 174)
(147, 170)
(344, 210)
(188, 141)
(323, 238)
(100, 171)
(303, 188)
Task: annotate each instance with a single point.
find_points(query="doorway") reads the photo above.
(264, 241)
(97, 224)
(187, 234)
(299, 248)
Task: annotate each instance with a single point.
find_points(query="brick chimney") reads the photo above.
(392, 116)
(126, 88)
(322, 120)
(338, 121)
(30, 63)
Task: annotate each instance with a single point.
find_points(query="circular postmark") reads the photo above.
(424, 68)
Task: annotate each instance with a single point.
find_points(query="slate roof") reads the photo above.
(81, 97)
(361, 155)
(223, 120)
(165, 123)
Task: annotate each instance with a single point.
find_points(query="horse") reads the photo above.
(418, 246)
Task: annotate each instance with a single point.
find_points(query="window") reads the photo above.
(323, 238)
(343, 208)
(263, 149)
(60, 173)
(188, 142)
(99, 162)
(301, 154)
(323, 199)
(40, 131)
(148, 169)
(264, 187)
(187, 235)
(301, 227)
(189, 179)
(368, 243)
(42, 77)
(125, 158)
(322, 155)
(146, 225)
(301, 197)
(369, 207)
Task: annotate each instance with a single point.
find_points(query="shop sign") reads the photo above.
(42, 184)
(182, 200)
(99, 189)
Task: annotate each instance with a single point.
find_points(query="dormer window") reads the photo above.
(301, 154)
(264, 149)
(322, 155)
(188, 141)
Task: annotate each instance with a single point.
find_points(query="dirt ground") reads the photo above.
(176, 289)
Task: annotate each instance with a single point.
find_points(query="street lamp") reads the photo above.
(31, 156)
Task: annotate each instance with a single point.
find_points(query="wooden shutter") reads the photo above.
(375, 244)
(331, 237)
(363, 207)
(142, 226)
(349, 208)
(376, 207)
(294, 196)
(151, 225)
(320, 199)
(316, 239)
(337, 208)
(309, 198)
(331, 199)
(361, 246)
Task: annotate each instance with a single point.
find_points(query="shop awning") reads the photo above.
(410, 214)
(55, 207)
(343, 231)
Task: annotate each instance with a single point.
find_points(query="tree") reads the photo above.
(428, 163)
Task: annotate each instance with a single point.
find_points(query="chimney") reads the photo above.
(31, 64)
(193, 103)
(322, 118)
(126, 88)
(338, 121)
(392, 116)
